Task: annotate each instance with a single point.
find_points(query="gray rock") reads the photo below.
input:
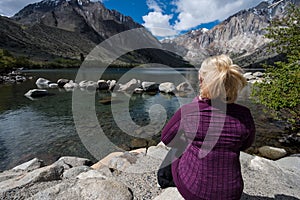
(184, 87)
(99, 174)
(30, 165)
(42, 83)
(102, 85)
(258, 74)
(169, 194)
(138, 90)
(291, 163)
(71, 84)
(20, 78)
(159, 152)
(73, 161)
(249, 76)
(150, 86)
(89, 85)
(131, 85)
(53, 85)
(87, 189)
(272, 152)
(75, 171)
(62, 82)
(112, 84)
(6, 175)
(48, 173)
(263, 177)
(35, 93)
(167, 87)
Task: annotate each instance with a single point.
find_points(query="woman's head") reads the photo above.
(220, 78)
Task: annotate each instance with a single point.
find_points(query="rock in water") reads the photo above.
(167, 87)
(150, 86)
(36, 93)
(102, 85)
(272, 152)
(62, 82)
(131, 85)
(184, 87)
(53, 85)
(42, 83)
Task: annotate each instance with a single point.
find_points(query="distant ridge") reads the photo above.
(241, 36)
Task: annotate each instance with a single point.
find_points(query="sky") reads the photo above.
(164, 18)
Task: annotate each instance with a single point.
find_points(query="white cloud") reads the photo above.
(195, 12)
(159, 24)
(153, 5)
(191, 13)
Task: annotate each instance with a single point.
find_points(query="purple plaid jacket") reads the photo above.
(209, 167)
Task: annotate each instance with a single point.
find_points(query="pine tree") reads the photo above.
(281, 88)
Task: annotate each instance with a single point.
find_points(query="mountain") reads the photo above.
(53, 29)
(241, 36)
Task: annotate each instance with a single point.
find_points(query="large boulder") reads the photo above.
(44, 174)
(62, 82)
(184, 87)
(150, 86)
(73, 161)
(266, 178)
(130, 86)
(30, 165)
(272, 152)
(70, 85)
(167, 87)
(102, 85)
(42, 83)
(112, 84)
(35, 93)
(86, 189)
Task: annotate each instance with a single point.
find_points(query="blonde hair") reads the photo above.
(220, 78)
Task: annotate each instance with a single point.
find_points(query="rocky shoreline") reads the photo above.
(132, 175)
(13, 77)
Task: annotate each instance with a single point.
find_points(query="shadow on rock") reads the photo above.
(277, 197)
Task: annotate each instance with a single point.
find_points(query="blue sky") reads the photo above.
(164, 18)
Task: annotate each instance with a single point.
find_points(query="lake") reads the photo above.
(44, 128)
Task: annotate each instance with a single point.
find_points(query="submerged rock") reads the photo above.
(35, 93)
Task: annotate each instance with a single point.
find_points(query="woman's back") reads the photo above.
(216, 175)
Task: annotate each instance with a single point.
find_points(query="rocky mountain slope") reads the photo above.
(241, 36)
(69, 28)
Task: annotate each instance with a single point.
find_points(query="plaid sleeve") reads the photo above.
(172, 128)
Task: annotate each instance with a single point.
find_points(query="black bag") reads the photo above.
(164, 174)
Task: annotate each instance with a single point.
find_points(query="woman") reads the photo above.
(208, 135)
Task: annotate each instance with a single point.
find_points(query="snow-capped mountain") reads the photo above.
(241, 36)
